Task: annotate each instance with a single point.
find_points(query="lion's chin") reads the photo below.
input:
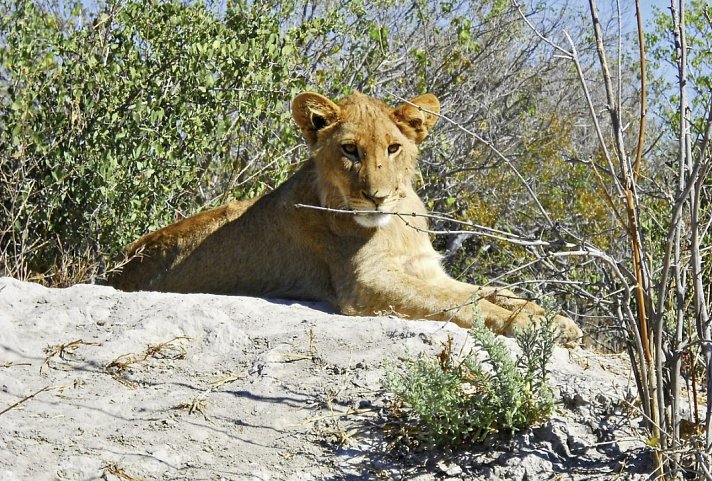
(372, 221)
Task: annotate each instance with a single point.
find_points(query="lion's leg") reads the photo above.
(443, 300)
(504, 312)
(412, 298)
(446, 299)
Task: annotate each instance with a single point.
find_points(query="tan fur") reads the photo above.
(363, 158)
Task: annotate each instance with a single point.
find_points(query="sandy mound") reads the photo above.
(155, 386)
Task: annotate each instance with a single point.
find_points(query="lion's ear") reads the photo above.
(419, 115)
(313, 112)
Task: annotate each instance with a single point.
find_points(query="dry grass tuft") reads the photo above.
(198, 404)
(64, 351)
(171, 349)
(112, 469)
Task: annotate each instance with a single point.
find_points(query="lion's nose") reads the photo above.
(375, 197)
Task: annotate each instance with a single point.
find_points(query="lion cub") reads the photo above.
(363, 159)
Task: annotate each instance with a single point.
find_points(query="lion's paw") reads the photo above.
(568, 333)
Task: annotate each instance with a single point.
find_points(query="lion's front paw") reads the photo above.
(568, 333)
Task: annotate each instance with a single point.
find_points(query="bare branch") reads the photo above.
(564, 53)
(481, 230)
(643, 94)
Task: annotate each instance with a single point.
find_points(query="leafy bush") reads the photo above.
(454, 400)
(118, 121)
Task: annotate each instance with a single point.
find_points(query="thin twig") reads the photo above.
(565, 53)
(643, 94)
(484, 231)
(26, 398)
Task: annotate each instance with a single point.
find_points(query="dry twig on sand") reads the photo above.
(27, 398)
(63, 351)
(198, 404)
(170, 349)
(114, 470)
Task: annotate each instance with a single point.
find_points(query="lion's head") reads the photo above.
(365, 150)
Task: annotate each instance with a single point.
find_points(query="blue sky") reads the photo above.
(647, 6)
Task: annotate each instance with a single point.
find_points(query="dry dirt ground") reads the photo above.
(101, 384)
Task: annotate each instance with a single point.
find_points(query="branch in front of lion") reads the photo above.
(479, 230)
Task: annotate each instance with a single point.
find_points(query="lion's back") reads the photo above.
(149, 257)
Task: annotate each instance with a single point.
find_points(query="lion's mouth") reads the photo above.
(372, 220)
(370, 212)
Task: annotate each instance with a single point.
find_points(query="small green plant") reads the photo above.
(457, 399)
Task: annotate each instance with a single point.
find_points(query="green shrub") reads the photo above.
(121, 120)
(455, 400)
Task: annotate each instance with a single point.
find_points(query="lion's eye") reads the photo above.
(350, 150)
(393, 148)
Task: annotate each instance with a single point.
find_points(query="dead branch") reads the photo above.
(26, 398)
(481, 230)
(64, 351)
